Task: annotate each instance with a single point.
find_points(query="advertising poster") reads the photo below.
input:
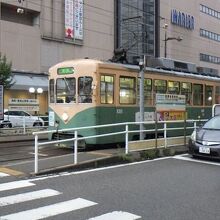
(69, 32)
(74, 19)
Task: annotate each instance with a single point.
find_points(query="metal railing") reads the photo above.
(125, 131)
(24, 128)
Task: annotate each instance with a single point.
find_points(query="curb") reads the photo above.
(108, 161)
(96, 163)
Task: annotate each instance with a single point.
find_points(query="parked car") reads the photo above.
(17, 118)
(205, 142)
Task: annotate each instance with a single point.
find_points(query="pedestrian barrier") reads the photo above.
(157, 142)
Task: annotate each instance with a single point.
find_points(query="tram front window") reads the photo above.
(66, 90)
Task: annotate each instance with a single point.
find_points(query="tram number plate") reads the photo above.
(204, 150)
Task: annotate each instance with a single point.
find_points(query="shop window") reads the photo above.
(107, 89)
(127, 90)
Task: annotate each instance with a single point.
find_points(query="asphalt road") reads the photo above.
(172, 188)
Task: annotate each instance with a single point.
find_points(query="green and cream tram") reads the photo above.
(86, 92)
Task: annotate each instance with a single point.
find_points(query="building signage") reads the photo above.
(182, 19)
(78, 19)
(69, 18)
(15, 101)
(1, 102)
(74, 19)
(170, 102)
(23, 104)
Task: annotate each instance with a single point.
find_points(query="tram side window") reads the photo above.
(160, 86)
(208, 95)
(147, 91)
(85, 89)
(217, 95)
(173, 87)
(197, 94)
(186, 89)
(51, 90)
(127, 90)
(107, 89)
(66, 90)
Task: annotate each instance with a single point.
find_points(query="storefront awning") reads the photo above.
(24, 82)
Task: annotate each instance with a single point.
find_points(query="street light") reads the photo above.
(35, 92)
(169, 38)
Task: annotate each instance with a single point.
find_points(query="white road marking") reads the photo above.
(181, 157)
(39, 154)
(98, 169)
(24, 197)
(50, 210)
(117, 215)
(15, 185)
(3, 174)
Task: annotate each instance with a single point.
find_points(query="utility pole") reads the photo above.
(142, 65)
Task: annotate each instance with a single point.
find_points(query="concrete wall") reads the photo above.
(36, 48)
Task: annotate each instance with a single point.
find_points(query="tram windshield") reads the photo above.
(66, 90)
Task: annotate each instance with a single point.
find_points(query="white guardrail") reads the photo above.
(126, 131)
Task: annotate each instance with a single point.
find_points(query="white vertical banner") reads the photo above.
(69, 22)
(78, 19)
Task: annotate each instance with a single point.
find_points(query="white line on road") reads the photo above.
(15, 185)
(117, 215)
(181, 157)
(99, 169)
(50, 210)
(3, 174)
(39, 154)
(24, 197)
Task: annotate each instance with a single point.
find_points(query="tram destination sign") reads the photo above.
(170, 102)
(65, 70)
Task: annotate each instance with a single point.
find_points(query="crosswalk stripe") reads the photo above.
(50, 210)
(11, 171)
(117, 215)
(3, 174)
(15, 185)
(24, 197)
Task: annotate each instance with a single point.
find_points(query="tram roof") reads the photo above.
(136, 68)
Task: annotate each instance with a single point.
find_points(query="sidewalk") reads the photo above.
(87, 160)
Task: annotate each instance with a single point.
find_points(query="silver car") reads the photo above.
(17, 118)
(205, 142)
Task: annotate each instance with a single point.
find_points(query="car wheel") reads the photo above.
(8, 125)
(37, 124)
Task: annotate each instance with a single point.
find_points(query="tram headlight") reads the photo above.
(65, 116)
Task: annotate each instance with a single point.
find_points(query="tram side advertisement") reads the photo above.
(170, 107)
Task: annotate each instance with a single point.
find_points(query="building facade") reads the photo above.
(196, 23)
(37, 34)
(180, 30)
